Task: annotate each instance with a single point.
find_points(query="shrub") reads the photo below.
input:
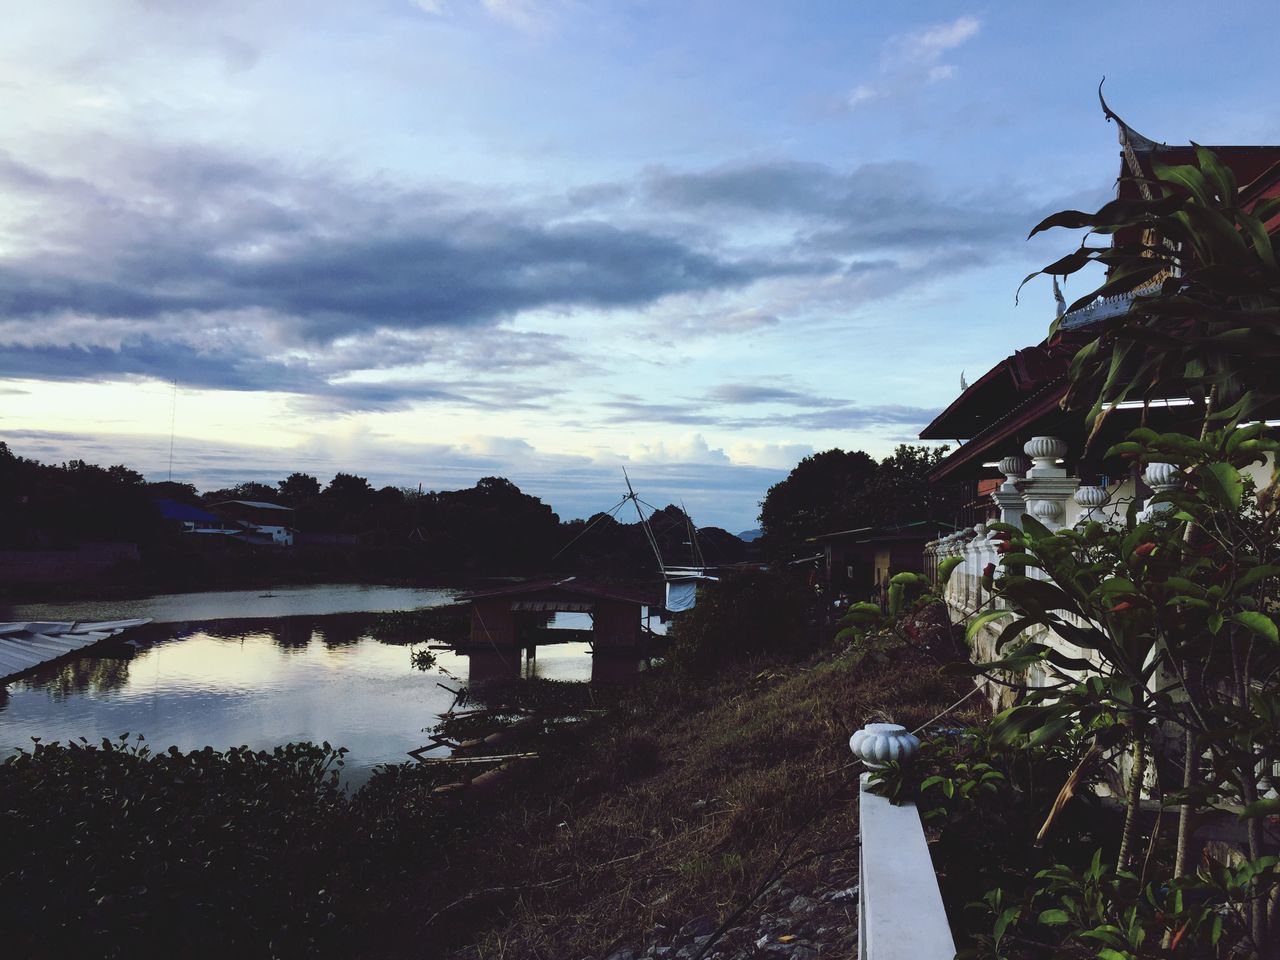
(748, 614)
(111, 850)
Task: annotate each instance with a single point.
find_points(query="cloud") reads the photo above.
(370, 295)
(846, 417)
(871, 208)
(926, 46)
(189, 262)
(690, 448)
(912, 61)
(779, 456)
(744, 393)
(526, 16)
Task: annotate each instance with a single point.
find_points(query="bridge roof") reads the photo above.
(573, 587)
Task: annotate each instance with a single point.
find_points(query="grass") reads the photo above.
(677, 804)
(671, 800)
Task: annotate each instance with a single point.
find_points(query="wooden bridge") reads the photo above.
(505, 620)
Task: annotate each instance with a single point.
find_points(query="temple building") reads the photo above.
(1019, 452)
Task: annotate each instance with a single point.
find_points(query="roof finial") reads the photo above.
(1129, 137)
(1057, 295)
(963, 385)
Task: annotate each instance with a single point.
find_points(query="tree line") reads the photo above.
(348, 528)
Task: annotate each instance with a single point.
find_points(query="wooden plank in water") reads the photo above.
(497, 758)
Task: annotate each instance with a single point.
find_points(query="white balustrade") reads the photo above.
(1007, 497)
(900, 910)
(1162, 478)
(1090, 500)
(1047, 486)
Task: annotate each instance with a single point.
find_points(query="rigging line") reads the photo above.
(502, 656)
(648, 531)
(694, 549)
(608, 513)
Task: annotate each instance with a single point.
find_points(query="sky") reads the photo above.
(428, 241)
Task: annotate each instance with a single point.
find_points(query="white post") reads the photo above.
(1047, 485)
(1162, 478)
(900, 911)
(1007, 498)
(1090, 500)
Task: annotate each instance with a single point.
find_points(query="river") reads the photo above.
(258, 667)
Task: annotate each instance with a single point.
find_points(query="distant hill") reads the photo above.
(746, 536)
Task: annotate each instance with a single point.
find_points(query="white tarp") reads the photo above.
(681, 595)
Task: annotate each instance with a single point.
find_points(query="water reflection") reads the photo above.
(263, 682)
(96, 674)
(312, 600)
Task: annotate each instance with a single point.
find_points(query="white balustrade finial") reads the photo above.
(877, 743)
(1162, 478)
(1014, 468)
(1045, 453)
(1089, 499)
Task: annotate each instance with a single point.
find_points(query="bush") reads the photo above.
(748, 614)
(113, 851)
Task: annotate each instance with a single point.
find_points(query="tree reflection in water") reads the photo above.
(343, 630)
(97, 674)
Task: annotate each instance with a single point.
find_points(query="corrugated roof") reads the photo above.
(26, 645)
(573, 586)
(176, 510)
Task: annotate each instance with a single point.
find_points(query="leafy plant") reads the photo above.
(1172, 648)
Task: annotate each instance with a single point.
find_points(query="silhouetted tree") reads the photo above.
(835, 490)
(249, 490)
(297, 487)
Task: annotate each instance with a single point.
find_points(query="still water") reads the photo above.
(230, 673)
(311, 600)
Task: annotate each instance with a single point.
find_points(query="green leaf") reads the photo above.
(1255, 574)
(1070, 219)
(980, 621)
(945, 569)
(1053, 918)
(1007, 917)
(1185, 585)
(1222, 482)
(1259, 623)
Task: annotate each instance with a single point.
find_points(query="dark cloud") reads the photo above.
(202, 232)
(151, 358)
(697, 413)
(225, 273)
(873, 207)
(761, 393)
(230, 370)
(849, 418)
(629, 410)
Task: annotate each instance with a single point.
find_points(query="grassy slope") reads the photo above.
(601, 840)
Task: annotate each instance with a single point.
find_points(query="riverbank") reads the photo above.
(216, 566)
(671, 804)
